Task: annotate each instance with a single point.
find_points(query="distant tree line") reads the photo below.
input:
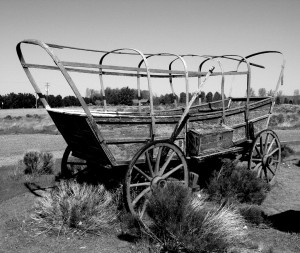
(125, 96)
(280, 98)
(28, 100)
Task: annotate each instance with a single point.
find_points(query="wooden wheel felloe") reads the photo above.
(265, 155)
(71, 165)
(153, 166)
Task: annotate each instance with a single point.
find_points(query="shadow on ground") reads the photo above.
(288, 221)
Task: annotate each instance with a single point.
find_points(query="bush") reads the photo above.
(37, 162)
(73, 207)
(184, 222)
(286, 151)
(252, 214)
(238, 184)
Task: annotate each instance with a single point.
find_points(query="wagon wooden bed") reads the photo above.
(157, 146)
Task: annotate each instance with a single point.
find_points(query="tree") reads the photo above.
(262, 92)
(126, 96)
(70, 101)
(278, 100)
(209, 97)
(202, 96)
(217, 96)
(112, 96)
(296, 92)
(182, 97)
(271, 93)
(251, 92)
(88, 92)
(285, 101)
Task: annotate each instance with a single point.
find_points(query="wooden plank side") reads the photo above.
(78, 135)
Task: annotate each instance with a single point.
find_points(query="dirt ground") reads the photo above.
(18, 235)
(16, 202)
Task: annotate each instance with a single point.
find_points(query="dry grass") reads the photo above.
(75, 208)
(184, 222)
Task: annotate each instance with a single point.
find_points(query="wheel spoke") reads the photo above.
(266, 175)
(274, 161)
(257, 150)
(259, 171)
(274, 151)
(256, 159)
(149, 163)
(140, 196)
(140, 184)
(256, 166)
(166, 164)
(156, 169)
(142, 173)
(266, 143)
(172, 171)
(141, 214)
(261, 145)
(271, 144)
(269, 168)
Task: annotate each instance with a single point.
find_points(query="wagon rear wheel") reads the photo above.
(71, 165)
(153, 166)
(265, 155)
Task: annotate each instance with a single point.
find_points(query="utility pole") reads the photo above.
(47, 90)
(36, 100)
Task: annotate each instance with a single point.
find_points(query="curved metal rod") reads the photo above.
(280, 79)
(59, 65)
(185, 71)
(170, 68)
(70, 82)
(147, 70)
(172, 89)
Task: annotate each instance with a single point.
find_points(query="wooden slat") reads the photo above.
(177, 73)
(206, 155)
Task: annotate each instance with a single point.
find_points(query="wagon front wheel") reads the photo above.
(265, 155)
(155, 165)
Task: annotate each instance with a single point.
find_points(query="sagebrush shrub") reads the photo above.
(236, 183)
(37, 162)
(286, 151)
(185, 222)
(75, 207)
(252, 214)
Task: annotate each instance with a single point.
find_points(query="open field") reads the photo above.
(22, 112)
(13, 147)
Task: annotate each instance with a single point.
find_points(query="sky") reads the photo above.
(173, 26)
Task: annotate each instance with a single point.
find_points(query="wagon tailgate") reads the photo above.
(80, 137)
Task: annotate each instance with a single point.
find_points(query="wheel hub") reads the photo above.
(158, 182)
(267, 160)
